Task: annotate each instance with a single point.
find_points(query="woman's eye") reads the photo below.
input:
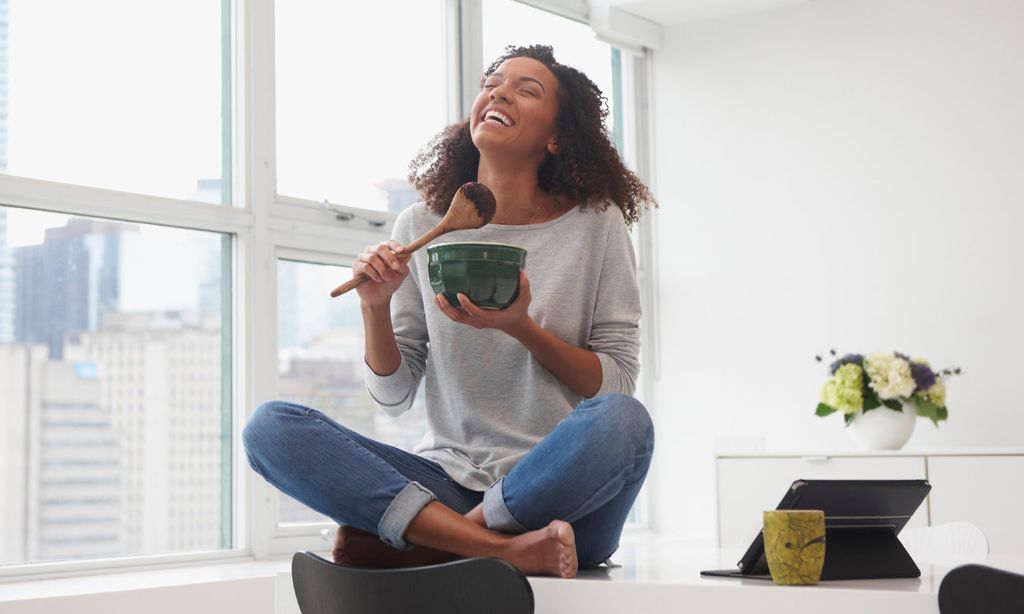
(529, 92)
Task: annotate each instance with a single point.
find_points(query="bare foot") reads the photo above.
(356, 548)
(550, 551)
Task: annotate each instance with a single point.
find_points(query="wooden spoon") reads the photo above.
(472, 207)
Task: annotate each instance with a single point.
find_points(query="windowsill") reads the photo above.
(188, 575)
(144, 579)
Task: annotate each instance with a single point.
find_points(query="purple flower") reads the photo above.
(845, 360)
(924, 377)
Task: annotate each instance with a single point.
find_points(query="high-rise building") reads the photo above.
(68, 282)
(161, 381)
(59, 465)
(74, 498)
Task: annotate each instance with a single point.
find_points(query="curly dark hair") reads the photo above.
(587, 169)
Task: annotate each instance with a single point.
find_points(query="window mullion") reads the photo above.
(255, 143)
(471, 45)
(99, 202)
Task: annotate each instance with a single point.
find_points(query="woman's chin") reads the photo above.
(495, 145)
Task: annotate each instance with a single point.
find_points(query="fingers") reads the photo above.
(468, 305)
(446, 308)
(380, 263)
(387, 253)
(373, 266)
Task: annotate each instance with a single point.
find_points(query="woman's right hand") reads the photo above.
(385, 270)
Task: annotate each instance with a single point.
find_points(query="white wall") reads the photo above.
(841, 172)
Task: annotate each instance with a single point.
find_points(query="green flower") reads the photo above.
(937, 393)
(845, 391)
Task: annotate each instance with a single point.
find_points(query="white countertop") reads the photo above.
(664, 577)
(850, 453)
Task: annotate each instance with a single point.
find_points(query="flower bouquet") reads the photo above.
(860, 384)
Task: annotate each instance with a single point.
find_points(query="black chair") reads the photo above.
(464, 586)
(977, 589)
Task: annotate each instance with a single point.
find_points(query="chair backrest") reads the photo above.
(464, 586)
(978, 589)
(954, 543)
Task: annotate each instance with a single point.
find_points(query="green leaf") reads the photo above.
(933, 412)
(893, 404)
(824, 410)
(870, 398)
(849, 418)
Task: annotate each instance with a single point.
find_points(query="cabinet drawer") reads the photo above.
(748, 486)
(983, 490)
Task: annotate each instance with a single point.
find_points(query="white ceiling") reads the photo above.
(673, 12)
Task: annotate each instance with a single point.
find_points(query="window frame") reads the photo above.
(264, 226)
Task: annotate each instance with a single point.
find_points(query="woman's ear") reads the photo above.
(553, 147)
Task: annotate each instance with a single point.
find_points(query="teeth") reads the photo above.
(501, 118)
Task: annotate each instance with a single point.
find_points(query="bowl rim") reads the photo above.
(495, 243)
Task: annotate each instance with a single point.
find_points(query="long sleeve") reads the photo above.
(395, 393)
(615, 333)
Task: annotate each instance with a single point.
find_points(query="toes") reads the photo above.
(567, 549)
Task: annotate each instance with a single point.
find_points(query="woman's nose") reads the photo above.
(499, 92)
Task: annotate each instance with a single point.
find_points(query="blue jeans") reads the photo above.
(587, 471)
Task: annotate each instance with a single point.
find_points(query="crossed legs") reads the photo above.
(564, 504)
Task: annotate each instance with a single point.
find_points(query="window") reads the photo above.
(98, 305)
(135, 309)
(320, 363)
(359, 92)
(117, 94)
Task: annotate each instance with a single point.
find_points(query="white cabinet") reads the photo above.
(983, 488)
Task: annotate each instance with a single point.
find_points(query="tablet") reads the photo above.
(862, 520)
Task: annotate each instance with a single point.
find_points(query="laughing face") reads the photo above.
(515, 112)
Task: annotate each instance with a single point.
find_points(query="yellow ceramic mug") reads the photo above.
(794, 544)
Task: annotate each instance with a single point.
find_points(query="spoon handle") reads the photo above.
(427, 237)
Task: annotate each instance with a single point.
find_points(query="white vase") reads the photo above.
(883, 428)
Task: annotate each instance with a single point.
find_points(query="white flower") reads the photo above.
(890, 376)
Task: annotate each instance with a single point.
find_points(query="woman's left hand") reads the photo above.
(508, 320)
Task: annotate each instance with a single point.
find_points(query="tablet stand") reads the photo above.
(860, 553)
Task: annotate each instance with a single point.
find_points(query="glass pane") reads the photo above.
(115, 392)
(117, 94)
(320, 363)
(356, 101)
(507, 22)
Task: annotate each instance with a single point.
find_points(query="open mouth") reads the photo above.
(498, 117)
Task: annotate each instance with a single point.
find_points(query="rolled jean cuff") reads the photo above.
(399, 514)
(496, 513)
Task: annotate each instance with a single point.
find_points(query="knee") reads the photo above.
(263, 426)
(629, 418)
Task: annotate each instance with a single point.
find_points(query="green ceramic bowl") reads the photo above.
(488, 273)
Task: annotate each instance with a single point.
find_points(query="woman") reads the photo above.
(534, 452)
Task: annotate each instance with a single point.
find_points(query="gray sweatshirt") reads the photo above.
(488, 401)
